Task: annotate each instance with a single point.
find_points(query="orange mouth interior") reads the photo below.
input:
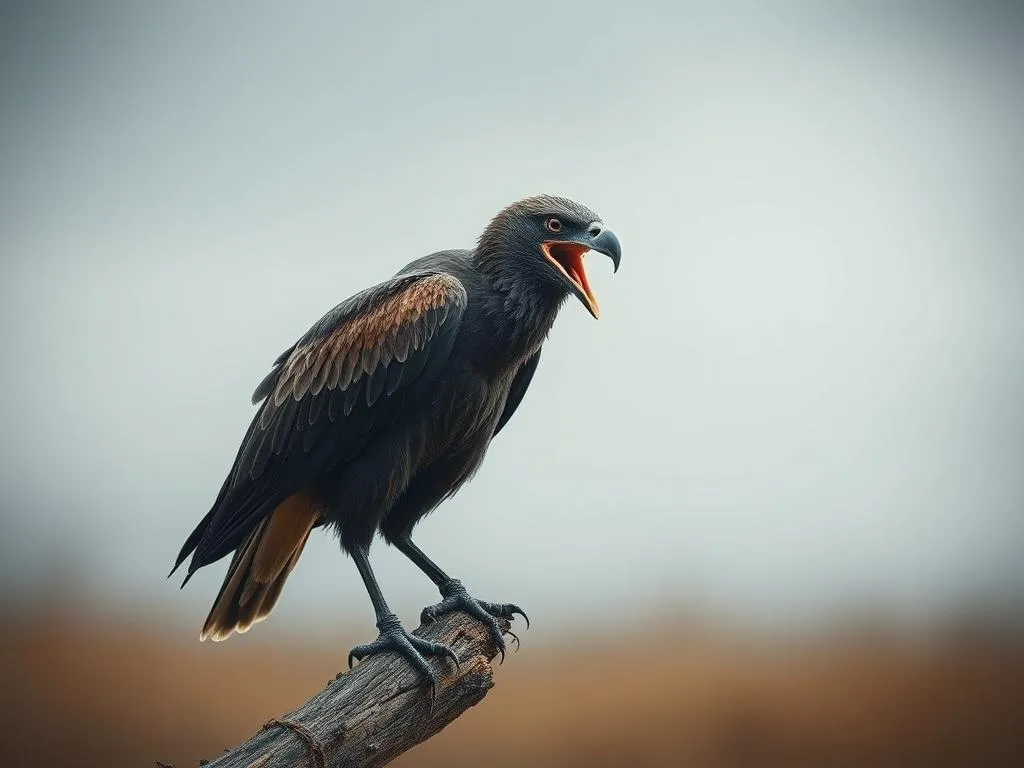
(567, 258)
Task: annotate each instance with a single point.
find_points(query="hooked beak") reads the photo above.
(566, 256)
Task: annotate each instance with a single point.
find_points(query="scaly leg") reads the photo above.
(456, 598)
(392, 636)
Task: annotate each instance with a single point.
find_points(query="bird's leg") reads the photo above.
(392, 636)
(456, 598)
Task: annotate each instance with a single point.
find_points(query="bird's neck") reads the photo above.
(518, 311)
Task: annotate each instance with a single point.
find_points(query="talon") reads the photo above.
(359, 653)
(393, 638)
(515, 637)
(457, 599)
(514, 609)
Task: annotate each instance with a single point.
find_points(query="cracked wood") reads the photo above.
(368, 716)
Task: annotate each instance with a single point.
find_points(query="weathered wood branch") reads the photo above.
(380, 709)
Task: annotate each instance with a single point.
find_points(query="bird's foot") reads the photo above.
(393, 637)
(456, 598)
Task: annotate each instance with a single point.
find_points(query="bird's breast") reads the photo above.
(474, 404)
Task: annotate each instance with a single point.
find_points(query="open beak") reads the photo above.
(566, 256)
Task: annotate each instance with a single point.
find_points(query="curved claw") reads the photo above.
(514, 609)
(361, 651)
(429, 615)
(414, 649)
(455, 598)
(506, 611)
(515, 637)
(439, 649)
(433, 649)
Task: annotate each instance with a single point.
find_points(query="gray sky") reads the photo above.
(803, 395)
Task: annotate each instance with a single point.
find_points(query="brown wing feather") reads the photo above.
(320, 405)
(364, 342)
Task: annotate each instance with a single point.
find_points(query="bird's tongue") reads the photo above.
(568, 257)
(572, 260)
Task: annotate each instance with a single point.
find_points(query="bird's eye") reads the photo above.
(553, 225)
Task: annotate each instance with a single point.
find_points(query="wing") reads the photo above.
(519, 386)
(355, 372)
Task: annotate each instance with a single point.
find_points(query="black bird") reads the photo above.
(385, 407)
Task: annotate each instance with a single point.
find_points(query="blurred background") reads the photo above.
(768, 511)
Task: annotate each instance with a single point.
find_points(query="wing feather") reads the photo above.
(517, 390)
(358, 367)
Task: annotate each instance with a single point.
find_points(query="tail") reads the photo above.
(259, 568)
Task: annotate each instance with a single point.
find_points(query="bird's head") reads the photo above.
(539, 243)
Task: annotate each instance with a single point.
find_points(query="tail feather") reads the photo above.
(224, 615)
(191, 543)
(259, 568)
(266, 596)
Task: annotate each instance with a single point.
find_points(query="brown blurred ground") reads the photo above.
(78, 691)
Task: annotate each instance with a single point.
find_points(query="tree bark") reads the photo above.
(373, 713)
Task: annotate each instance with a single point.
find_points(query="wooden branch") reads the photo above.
(380, 709)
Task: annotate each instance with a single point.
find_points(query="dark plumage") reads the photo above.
(386, 406)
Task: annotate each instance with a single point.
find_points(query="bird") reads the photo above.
(384, 408)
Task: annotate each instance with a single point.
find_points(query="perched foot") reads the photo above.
(393, 638)
(456, 598)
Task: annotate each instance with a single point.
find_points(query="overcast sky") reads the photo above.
(804, 393)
